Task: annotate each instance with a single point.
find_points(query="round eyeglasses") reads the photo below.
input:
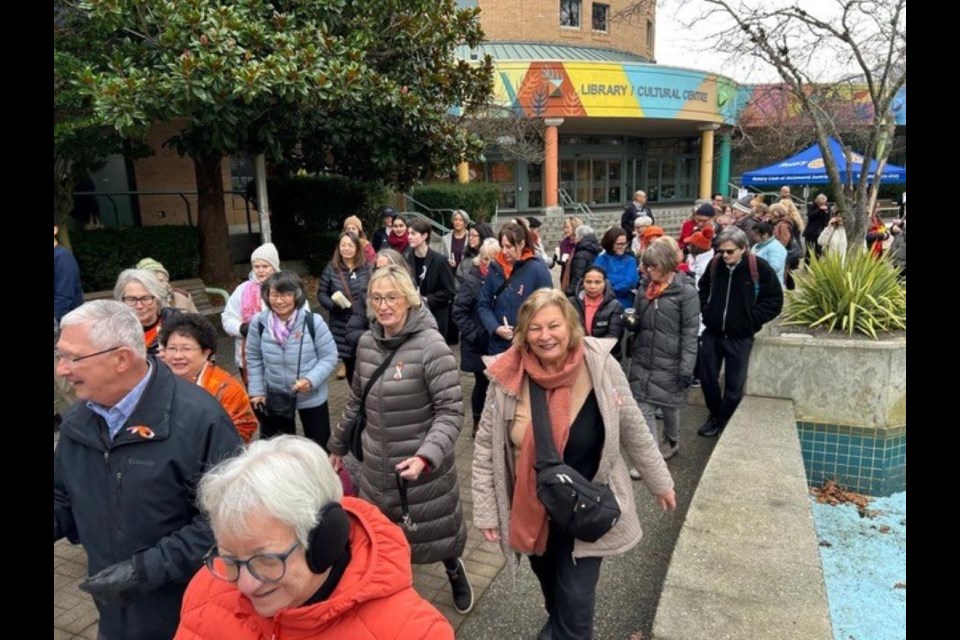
(265, 567)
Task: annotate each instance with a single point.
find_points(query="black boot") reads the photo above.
(462, 591)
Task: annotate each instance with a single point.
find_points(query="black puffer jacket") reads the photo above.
(586, 252)
(435, 283)
(134, 497)
(474, 339)
(664, 352)
(414, 409)
(817, 220)
(607, 322)
(333, 280)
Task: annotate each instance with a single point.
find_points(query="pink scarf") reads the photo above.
(250, 302)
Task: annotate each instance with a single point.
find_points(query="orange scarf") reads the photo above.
(528, 519)
(656, 289)
(508, 266)
(151, 333)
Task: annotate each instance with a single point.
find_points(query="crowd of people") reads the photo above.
(195, 527)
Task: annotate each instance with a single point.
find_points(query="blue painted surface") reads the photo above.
(866, 559)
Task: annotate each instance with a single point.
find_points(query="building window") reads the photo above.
(649, 35)
(570, 13)
(600, 12)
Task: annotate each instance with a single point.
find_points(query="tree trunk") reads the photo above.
(216, 268)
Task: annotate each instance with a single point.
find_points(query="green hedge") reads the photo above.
(103, 253)
(307, 213)
(478, 199)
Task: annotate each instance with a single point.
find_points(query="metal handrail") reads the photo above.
(439, 228)
(183, 195)
(567, 201)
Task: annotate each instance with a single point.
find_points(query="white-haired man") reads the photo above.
(130, 453)
(634, 209)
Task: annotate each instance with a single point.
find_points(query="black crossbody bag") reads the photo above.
(355, 436)
(580, 508)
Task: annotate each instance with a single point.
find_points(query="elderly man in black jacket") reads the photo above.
(739, 293)
(124, 471)
(634, 209)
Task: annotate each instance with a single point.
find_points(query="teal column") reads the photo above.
(723, 166)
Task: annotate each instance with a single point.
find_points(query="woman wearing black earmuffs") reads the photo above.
(293, 556)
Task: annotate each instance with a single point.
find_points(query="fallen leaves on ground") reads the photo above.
(900, 585)
(831, 494)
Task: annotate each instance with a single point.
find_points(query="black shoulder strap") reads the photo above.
(504, 284)
(376, 375)
(542, 432)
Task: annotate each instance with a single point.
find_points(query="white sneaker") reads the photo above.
(667, 450)
(635, 474)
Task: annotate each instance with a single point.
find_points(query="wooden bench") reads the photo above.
(195, 286)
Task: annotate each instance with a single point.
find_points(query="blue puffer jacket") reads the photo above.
(528, 276)
(273, 366)
(621, 274)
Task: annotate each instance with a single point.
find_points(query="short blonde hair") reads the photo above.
(539, 300)
(488, 249)
(821, 199)
(400, 278)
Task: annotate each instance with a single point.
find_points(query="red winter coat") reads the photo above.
(374, 599)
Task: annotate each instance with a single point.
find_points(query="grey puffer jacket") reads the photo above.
(414, 409)
(664, 352)
(623, 425)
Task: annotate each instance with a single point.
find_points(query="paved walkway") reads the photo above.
(501, 611)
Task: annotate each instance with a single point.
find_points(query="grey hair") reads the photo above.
(287, 478)
(144, 278)
(490, 247)
(582, 231)
(734, 235)
(642, 221)
(463, 214)
(109, 324)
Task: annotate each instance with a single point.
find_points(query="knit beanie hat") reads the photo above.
(743, 206)
(268, 253)
(651, 232)
(150, 264)
(355, 221)
(702, 238)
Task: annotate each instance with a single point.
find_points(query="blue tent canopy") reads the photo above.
(807, 168)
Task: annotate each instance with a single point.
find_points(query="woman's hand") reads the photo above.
(336, 461)
(667, 501)
(505, 333)
(411, 468)
(490, 535)
(301, 386)
(257, 401)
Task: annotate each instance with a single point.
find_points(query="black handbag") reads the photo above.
(578, 507)
(355, 434)
(282, 403)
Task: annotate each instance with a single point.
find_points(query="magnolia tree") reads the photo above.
(361, 87)
(820, 50)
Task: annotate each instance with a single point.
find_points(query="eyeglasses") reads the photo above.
(391, 299)
(185, 349)
(620, 244)
(74, 360)
(132, 301)
(265, 567)
(727, 252)
(281, 295)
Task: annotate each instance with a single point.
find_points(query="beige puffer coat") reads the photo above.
(493, 473)
(414, 409)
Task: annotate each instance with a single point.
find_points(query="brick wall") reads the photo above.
(539, 21)
(167, 171)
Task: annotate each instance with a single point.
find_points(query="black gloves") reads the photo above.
(244, 328)
(116, 585)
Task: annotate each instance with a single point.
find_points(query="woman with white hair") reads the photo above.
(413, 407)
(294, 557)
(475, 339)
(140, 290)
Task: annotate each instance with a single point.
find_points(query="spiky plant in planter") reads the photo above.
(859, 294)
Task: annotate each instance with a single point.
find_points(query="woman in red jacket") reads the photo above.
(295, 559)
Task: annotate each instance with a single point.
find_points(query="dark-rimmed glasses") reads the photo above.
(728, 252)
(265, 567)
(74, 360)
(132, 301)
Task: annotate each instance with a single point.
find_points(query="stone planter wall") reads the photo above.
(850, 398)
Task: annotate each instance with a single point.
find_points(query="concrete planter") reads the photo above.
(850, 398)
